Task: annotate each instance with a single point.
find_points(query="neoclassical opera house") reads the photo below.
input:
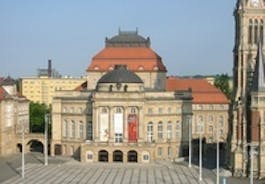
(123, 112)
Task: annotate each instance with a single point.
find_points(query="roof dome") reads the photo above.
(120, 74)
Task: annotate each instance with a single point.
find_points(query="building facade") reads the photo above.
(14, 116)
(129, 111)
(247, 122)
(209, 108)
(124, 113)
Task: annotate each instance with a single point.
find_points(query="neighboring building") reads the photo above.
(42, 88)
(209, 107)
(124, 114)
(14, 112)
(247, 117)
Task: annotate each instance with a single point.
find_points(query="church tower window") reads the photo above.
(256, 36)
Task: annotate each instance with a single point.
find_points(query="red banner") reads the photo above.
(133, 127)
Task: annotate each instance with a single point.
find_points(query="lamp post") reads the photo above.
(23, 149)
(190, 138)
(217, 154)
(47, 119)
(200, 154)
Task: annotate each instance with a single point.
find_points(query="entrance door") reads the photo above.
(103, 156)
(117, 156)
(132, 156)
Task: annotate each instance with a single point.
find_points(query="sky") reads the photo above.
(192, 36)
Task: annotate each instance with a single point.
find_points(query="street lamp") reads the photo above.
(22, 131)
(190, 138)
(200, 160)
(47, 120)
(217, 153)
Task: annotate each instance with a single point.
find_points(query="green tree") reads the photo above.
(37, 120)
(222, 82)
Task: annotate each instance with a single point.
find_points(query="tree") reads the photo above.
(37, 112)
(222, 83)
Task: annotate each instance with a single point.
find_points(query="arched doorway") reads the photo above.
(35, 146)
(117, 156)
(132, 156)
(19, 148)
(58, 149)
(103, 156)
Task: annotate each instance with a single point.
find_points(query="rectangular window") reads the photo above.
(81, 130)
(160, 130)
(150, 132)
(73, 129)
(169, 130)
(118, 138)
(89, 130)
(118, 127)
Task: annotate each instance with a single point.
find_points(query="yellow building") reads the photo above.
(42, 89)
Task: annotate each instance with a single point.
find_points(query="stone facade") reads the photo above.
(14, 112)
(247, 106)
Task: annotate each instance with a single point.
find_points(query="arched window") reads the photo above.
(160, 130)
(169, 130)
(150, 132)
(256, 36)
(125, 88)
(110, 88)
(250, 28)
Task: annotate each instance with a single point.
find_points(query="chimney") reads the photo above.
(49, 68)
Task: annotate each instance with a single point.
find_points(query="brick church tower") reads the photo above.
(248, 100)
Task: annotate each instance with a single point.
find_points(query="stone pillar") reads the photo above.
(110, 156)
(95, 124)
(141, 125)
(125, 123)
(111, 123)
(124, 157)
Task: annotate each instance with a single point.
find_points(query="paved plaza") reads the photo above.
(72, 172)
(67, 170)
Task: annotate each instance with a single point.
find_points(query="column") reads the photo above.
(125, 123)
(95, 124)
(141, 125)
(111, 124)
(124, 157)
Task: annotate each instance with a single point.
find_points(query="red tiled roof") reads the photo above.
(136, 59)
(3, 93)
(202, 91)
